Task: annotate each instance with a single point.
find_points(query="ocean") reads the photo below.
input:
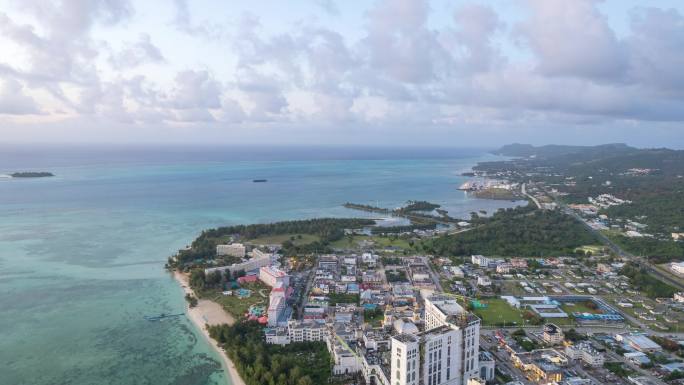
(82, 253)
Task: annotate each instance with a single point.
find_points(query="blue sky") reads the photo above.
(399, 72)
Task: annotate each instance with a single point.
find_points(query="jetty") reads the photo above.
(162, 316)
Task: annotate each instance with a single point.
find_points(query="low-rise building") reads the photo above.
(552, 334)
(677, 267)
(638, 342)
(586, 353)
(272, 276)
(480, 260)
(233, 249)
(487, 366)
(543, 366)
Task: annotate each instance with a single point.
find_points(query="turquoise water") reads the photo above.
(82, 254)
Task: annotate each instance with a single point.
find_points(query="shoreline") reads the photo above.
(209, 313)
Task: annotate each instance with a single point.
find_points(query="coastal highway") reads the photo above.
(524, 192)
(641, 261)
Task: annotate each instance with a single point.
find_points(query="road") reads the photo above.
(640, 261)
(524, 192)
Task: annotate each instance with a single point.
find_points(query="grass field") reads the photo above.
(499, 311)
(594, 249)
(297, 239)
(579, 307)
(237, 307)
(355, 241)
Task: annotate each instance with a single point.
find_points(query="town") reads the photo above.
(388, 319)
(570, 287)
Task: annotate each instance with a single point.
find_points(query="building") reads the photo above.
(518, 263)
(544, 366)
(504, 268)
(457, 272)
(679, 297)
(328, 262)
(483, 280)
(405, 361)
(487, 366)
(552, 334)
(639, 342)
(430, 358)
(441, 310)
(277, 306)
(480, 260)
(586, 353)
(259, 259)
(306, 331)
(233, 250)
(272, 276)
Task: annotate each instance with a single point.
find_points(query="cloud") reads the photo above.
(403, 68)
(135, 54)
(195, 89)
(13, 100)
(571, 38)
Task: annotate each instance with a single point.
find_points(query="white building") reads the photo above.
(276, 306)
(552, 334)
(233, 249)
(503, 268)
(272, 276)
(259, 259)
(639, 342)
(483, 280)
(457, 272)
(440, 311)
(480, 260)
(405, 361)
(679, 297)
(585, 353)
(487, 366)
(677, 267)
(306, 331)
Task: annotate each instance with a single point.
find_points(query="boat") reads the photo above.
(259, 180)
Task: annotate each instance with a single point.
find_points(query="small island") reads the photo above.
(31, 174)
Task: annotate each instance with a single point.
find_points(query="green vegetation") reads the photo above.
(581, 307)
(496, 193)
(396, 276)
(647, 284)
(573, 336)
(335, 298)
(418, 206)
(402, 229)
(296, 239)
(28, 174)
(374, 316)
(658, 251)
(237, 307)
(191, 299)
(521, 338)
(355, 242)
(499, 313)
(618, 368)
(522, 231)
(662, 213)
(302, 363)
(327, 230)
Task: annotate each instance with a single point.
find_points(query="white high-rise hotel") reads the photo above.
(446, 353)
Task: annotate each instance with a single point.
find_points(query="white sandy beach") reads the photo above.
(210, 313)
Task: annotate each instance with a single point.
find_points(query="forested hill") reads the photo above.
(555, 150)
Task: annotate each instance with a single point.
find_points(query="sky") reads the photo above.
(385, 72)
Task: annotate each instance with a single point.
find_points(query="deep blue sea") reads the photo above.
(82, 253)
